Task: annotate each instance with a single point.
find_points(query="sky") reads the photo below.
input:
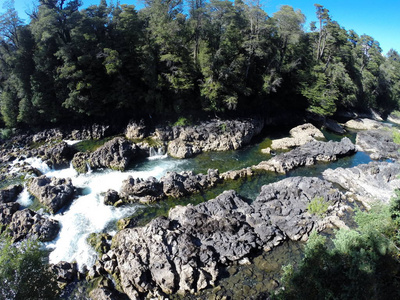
(377, 18)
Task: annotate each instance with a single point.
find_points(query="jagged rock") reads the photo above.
(300, 135)
(6, 212)
(307, 155)
(368, 183)
(54, 193)
(10, 193)
(26, 223)
(379, 143)
(334, 126)
(111, 197)
(80, 162)
(93, 132)
(65, 272)
(103, 293)
(363, 124)
(115, 154)
(139, 190)
(215, 135)
(235, 174)
(184, 252)
(58, 156)
(48, 135)
(394, 118)
(135, 131)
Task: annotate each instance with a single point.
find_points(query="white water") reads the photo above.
(24, 198)
(87, 213)
(158, 153)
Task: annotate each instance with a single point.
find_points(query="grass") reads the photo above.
(91, 145)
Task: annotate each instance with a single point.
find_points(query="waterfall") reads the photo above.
(157, 153)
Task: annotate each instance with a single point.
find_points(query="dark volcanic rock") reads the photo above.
(215, 135)
(368, 183)
(54, 193)
(80, 162)
(308, 155)
(26, 223)
(6, 212)
(135, 190)
(92, 132)
(65, 272)
(10, 193)
(111, 197)
(58, 156)
(115, 154)
(379, 143)
(184, 252)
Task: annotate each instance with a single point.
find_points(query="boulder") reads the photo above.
(367, 183)
(363, 124)
(300, 135)
(26, 223)
(80, 162)
(115, 154)
(10, 193)
(308, 154)
(65, 272)
(185, 251)
(378, 143)
(54, 193)
(180, 149)
(58, 156)
(139, 190)
(111, 197)
(92, 132)
(6, 212)
(48, 135)
(334, 126)
(135, 131)
(394, 118)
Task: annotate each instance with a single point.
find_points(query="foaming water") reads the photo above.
(24, 198)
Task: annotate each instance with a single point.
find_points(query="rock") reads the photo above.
(48, 135)
(394, 118)
(266, 150)
(10, 193)
(58, 156)
(26, 223)
(103, 293)
(65, 272)
(307, 155)
(111, 197)
(115, 154)
(184, 252)
(368, 183)
(135, 131)
(379, 143)
(334, 126)
(54, 193)
(6, 212)
(92, 132)
(235, 174)
(80, 162)
(363, 124)
(300, 135)
(215, 135)
(139, 190)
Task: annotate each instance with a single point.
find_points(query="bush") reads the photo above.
(24, 273)
(318, 206)
(182, 121)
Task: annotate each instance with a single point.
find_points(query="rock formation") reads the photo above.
(379, 143)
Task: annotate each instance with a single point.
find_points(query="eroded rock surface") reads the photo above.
(183, 253)
(368, 183)
(300, 135)
(54, 193)
(10, 193)
(363, 124)
(308, 155)
(378, 143)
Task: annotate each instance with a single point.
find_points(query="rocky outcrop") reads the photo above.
(300, 135)
(184, 252)
(65, 272)
(54, 193)
(48, 135)
(115, 154)
(363, 124)
(10, 193)
(333, 126)
(173, 184)
(80, 162)
(367, 183)
(92, 132)
(6, 212)
(308, 155)
(378, 143)
(215, 135)
(135, 131)
(57, 156)
(394, 118)
(26, 223)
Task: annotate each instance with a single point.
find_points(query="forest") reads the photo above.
(176, 57)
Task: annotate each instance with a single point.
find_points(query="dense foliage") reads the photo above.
(179, 57)
(362, 264)
(23, 271)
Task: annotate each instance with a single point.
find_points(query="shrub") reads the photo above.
(318, 206)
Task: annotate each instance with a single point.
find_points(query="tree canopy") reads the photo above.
(214, 56)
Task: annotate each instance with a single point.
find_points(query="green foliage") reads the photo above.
(318, 206)
(6, 133)
(23, 271)
(396, 136)
(182, 121)
(362, 264)
(90, 145)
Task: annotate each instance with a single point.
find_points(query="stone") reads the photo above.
(58, 156)
(363, 124)
(369, 183)
(139, 190)
(135, 131)
(10, 193)
(80, 162)
(307, 155)
(111, 197)
(65, 272)
(378, 143)
(54, 193)
(6, 212)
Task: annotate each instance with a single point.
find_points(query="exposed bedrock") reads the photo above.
(215, 135)
(378, 143)
(363, 124)
(10, 193)
(368, 183)
(308, 154)
(54, 193)
(184, 251)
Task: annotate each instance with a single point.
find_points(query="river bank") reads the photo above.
(88, 207)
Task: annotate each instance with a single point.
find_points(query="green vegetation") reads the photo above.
(182, 121)
(362, 264)
(24, 273)
(90, 145)
(318, 206)
(396, 136)
(219, 56)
